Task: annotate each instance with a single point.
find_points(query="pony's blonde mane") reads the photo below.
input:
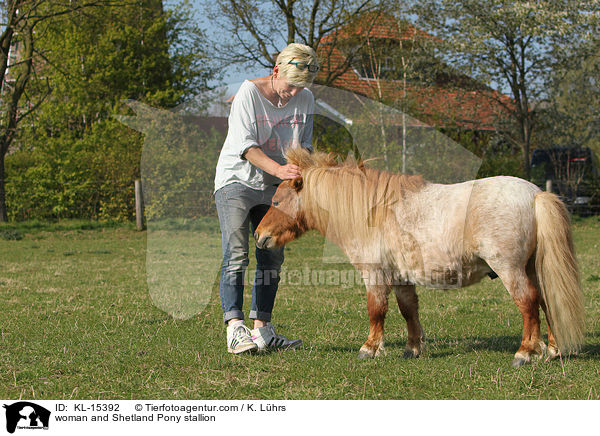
(305, 160)
(357, 198)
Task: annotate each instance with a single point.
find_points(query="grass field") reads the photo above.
(77, 321)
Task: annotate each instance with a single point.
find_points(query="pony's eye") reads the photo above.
(275, 203)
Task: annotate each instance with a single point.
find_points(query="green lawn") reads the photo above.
(79, 321)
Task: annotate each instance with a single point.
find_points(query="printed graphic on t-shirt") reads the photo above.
(277, 135)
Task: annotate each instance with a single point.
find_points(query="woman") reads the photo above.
(268, 116)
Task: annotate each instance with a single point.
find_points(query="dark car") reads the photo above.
(573, 172)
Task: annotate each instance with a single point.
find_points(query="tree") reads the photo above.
(252, 32)
(570, 118)
(22, 20)
(78, 157)
(571, 115)
(509, 44)
(19, 26)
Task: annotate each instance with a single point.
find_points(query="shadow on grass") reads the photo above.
(445, 347)
(591, 351)
(451, 346)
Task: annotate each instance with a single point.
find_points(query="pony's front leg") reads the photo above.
(408, 302)
(377, 305)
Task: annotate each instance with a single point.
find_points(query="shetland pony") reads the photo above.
(400, 231)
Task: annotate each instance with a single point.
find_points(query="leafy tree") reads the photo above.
(81, 161)
(570, 118)
(23, 22)
(571, 115)
(509, 44)
(252, 32)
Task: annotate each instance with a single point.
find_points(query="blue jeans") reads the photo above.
(240, 210)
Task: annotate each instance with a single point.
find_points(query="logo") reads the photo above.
(26, 415)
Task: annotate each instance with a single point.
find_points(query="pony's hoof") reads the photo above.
(519, 362)
(553, 352)
(410, 354)
(362, 354)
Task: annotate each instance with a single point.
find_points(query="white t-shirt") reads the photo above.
(255, 122)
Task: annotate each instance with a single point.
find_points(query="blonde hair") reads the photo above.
(297, 53)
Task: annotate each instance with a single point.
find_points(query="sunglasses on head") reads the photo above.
(303, 65)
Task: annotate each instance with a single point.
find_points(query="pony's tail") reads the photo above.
(557, 272)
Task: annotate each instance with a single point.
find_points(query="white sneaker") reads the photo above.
(239, 339)
(266, 339)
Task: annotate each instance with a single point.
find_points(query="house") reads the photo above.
(381, 58)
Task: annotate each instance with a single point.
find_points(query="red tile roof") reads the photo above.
(459, 102)
(376, 25)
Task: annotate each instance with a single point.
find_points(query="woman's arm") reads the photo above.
(259, 159)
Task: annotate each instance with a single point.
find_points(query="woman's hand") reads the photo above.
(289, 171)
(259, 159)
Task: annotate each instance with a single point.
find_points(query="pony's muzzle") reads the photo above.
(264, 242)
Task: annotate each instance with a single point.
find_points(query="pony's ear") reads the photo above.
(297, 184)
(361, 166)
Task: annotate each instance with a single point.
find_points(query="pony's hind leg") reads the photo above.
(527, 298)
(377, 305)
(552, 349)
(408, 302)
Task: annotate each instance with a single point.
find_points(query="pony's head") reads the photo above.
(286, 220)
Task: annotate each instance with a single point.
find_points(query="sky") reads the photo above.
(231, 77)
